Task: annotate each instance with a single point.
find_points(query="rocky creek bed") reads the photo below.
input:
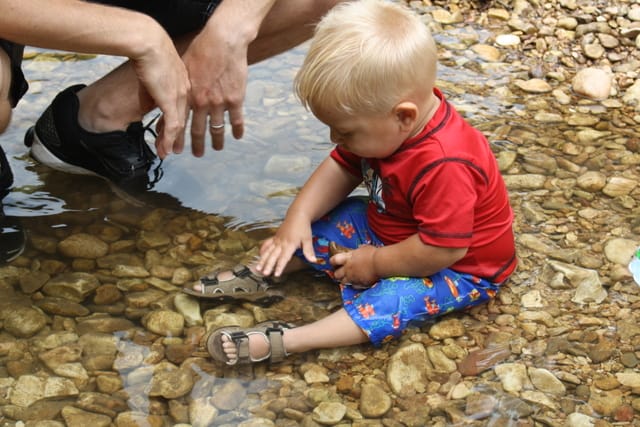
(95, 331)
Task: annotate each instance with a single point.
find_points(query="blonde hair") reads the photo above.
(365, 57)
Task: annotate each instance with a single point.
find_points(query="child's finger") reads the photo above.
(340, 259)
(308, 251)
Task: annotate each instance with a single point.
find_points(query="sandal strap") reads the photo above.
(240, 271)
(241, 340)
(274, 334)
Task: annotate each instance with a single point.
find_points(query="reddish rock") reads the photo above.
(480, 360)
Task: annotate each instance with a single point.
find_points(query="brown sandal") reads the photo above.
(244, 286)
(271, 331)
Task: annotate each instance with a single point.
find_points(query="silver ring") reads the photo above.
(220, 126)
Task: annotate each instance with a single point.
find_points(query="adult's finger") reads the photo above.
(217, 127)
(168, 136)
(236, 117)
(199, 126)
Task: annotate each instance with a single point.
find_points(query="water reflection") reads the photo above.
(222, 205)
(252, 181)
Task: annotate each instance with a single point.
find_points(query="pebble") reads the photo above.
(97, 332)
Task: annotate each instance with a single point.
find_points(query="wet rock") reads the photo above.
(632, 95)
(24, 322)
(480, 360)
(83, 245)
(201, 412)
(62, 307)
(605, 402)
(77, 417)
(513, 376)
(407, 370)
(533, 85)
(480, 406)
(439, 360)
(229, 396)
(31, 282)
(545, 381)
(443, 16)
(374, 401)
(329, 413)
(487, 52)
(189, 308)
(164, 322)
(170, 382)
(136, 419)
(592, 181)
(447, 328)
(620, 250)
(577, 419)
(619, 186)
(30, 388)
(507, 40)
(72, 286)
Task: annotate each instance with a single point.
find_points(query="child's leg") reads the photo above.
(386, 309)
(335, 330)
(346, 225)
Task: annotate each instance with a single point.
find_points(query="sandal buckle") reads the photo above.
(237, 336)
(276, 327)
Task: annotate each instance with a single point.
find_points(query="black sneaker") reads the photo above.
(12, 235)
(121, 157)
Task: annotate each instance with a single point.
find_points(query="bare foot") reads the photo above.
(259, 347)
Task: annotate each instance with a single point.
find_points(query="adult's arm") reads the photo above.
(218, 68)
(80, 26)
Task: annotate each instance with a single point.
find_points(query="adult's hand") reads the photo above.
(217, 62)
(164, 77)
(81, 26)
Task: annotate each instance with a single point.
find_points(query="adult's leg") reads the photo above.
(288, 24)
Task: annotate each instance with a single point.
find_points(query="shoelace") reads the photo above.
(146, 153)
(137, 139)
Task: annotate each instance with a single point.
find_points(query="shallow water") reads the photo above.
(239, 189)
(236, 182)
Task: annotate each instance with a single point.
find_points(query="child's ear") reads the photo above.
(407, 113)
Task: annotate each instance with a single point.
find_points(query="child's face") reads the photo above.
(372, 136)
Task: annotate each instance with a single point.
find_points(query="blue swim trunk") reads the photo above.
(387, 308)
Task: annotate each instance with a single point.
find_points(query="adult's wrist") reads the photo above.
(150, 42)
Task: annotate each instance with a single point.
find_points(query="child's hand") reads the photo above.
(276, 252)
(356, 267)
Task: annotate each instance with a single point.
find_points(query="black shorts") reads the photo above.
(177, 17)
(19, 85)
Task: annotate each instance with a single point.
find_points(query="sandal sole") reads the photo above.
(255, 297)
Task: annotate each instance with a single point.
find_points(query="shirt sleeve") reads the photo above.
(347, 160)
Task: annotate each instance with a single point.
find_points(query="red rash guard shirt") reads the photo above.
(443, 184)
